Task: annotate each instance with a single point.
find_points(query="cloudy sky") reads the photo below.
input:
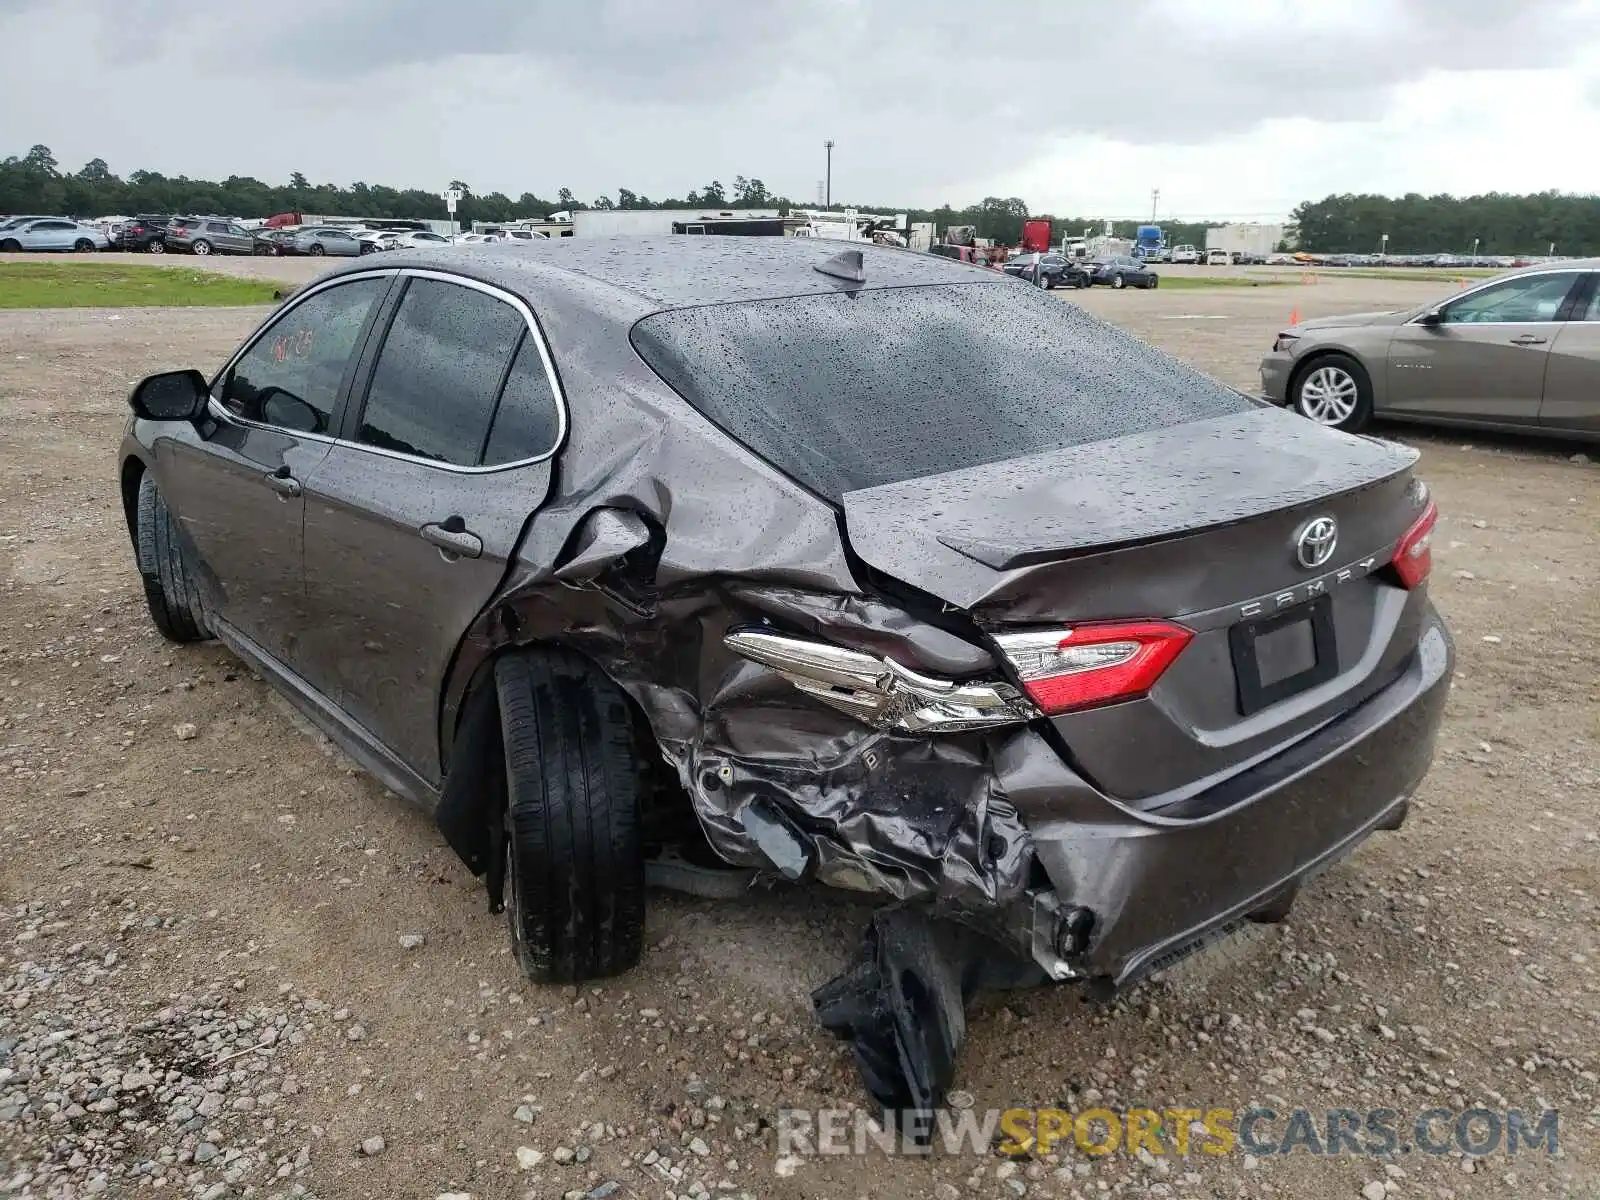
(1230, 107)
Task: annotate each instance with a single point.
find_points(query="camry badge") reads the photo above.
(1315, 542)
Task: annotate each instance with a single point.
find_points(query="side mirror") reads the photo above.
(170, 396)
(288, 411)
(1433, 316)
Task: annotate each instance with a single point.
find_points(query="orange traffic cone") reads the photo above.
(1294, 315)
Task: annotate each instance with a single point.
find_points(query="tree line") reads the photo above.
(1500, 223)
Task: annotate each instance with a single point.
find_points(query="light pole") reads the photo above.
(1383, 247)
(1475, 247)
(1155, 198)
(827, 193)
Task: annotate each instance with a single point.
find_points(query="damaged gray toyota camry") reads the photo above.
(627, 558)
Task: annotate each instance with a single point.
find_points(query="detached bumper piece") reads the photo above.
(902, 1004)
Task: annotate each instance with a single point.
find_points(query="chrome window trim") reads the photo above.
(215, 407)
(1495, 281)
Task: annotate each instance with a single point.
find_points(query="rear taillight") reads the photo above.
(1413, 557)
(1089, 665)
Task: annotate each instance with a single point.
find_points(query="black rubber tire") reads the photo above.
(157, 246)
(316, 249)
(1119, 280)
(201, 246)
(82, 246)
(10, 246)
(175, 603)
(574, 840)
(1361, 416)
(1155, 282)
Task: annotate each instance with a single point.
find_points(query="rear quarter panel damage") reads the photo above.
(776, 780)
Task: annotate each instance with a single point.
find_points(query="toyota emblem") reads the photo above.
(1315, 542)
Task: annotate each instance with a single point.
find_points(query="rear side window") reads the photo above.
(846, 391)
(527, 423)
(440, 370)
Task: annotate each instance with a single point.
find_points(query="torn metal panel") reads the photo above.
(902, 1002)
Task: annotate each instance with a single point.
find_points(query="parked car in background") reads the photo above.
(1120, 271)
(419, 239)
(53, 233)
(14, 222)
(271, 241)
(1060, 635)
(373, 241)
(1217, 258)
(1185, 254)
(210, 235)
(317, 240)
(1518, 352)
(146, 233)
(1047, 270)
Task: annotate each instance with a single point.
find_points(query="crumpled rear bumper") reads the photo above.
(1157, 882)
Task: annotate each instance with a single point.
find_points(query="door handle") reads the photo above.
(1527, 339)
(453, 538)
(283, 483)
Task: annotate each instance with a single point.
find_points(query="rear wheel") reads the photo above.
(1333, 390)
(169, 588)
(202, 247)
(10, 246)
(574, 852)
(83, 246)
(316, 248)
(157, 247)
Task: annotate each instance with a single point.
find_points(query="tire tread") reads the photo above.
(573, 796)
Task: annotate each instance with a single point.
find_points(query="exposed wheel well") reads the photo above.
(132, 473)
(473, 786)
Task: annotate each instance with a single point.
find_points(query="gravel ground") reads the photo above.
(231, 965)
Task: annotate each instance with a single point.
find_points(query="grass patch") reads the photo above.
(113, 285)
(1198, 282)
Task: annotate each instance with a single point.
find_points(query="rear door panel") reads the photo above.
(392, 601)
(391, 607)
(1572, 380)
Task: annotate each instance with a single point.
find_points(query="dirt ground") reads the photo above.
(230, 963)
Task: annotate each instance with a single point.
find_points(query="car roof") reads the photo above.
(679, 271)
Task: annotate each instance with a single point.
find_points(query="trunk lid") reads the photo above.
(1196, 523)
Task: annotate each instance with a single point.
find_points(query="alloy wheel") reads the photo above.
(1328, 395)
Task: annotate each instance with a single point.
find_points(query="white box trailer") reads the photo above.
(1258, 240)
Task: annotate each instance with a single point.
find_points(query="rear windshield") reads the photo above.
(844, 391)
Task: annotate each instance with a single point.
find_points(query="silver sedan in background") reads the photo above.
(318, 240)
(53, 233)
(1520, 352)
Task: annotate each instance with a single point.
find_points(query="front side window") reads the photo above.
(216, 227)
(292, 375)
(434, 385)
(1529, 298)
